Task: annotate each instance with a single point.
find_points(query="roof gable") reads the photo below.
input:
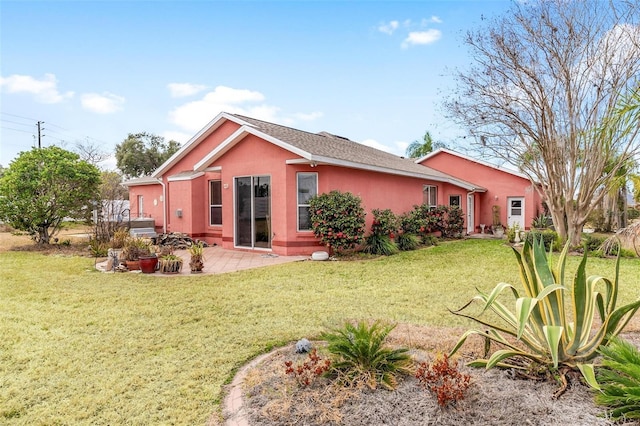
(474, 160)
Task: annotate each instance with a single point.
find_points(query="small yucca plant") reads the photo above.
(555, 321)
(360, 356)
(619, 380)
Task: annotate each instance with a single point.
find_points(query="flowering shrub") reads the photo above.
(337, 218)
(444, 380)
(424, 220)
(384, 223)
(308, 371)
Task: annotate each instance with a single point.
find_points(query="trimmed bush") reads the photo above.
(338, 219)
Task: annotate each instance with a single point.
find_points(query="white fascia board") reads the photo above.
(195, 140)
(189, 177)
(240, 134)
(141, 183)
(213, 169)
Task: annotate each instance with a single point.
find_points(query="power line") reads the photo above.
(17, 130)
(15, 122)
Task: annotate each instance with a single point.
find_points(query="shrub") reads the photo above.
(553, 319)
(385, 222)
(633, 213)
(337, 218)
(424, 220)
(308, 371)
(98, 248)
(444, 380)
(619, 380)
(379, 244)
(592, 243)
(360, 356)
(406, 241)
(549, 237)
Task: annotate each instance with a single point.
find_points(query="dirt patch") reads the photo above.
(70, 242)
(496, 397)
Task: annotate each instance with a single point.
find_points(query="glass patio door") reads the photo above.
(253, 212)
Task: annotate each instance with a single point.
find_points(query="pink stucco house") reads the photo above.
(244, 184)
(516, 198)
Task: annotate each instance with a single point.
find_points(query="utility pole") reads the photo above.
(40, 135)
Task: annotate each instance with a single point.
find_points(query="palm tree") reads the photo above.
(417, 148)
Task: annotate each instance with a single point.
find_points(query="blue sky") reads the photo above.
(373, 71)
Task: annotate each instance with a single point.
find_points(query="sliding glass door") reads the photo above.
(253, 211)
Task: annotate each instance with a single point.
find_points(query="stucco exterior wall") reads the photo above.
(500, 186)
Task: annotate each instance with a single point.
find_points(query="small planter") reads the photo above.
(170, 264)
(148, 264)
(133, 265)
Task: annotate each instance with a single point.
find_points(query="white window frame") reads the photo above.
(140, 205)
(429, 192)
(301, 205)
(211, 205)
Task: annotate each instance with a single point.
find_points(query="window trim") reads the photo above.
(298, 205)
(211, 205)
(426, 190)
(459, 197)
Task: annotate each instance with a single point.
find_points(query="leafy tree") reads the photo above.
(417, 149)
(553, 89)
(141, 153)
(44, 186)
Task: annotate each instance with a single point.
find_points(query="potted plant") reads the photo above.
(197, 257)
(132, 250)
(170, 264)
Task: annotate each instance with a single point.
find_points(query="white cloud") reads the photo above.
(434, 19)
(421, 37)
(105, 103)
(192, 116)
(180, 90)
(45, 90)
(388, 28)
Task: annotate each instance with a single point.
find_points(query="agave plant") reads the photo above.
(554, 321)
(619, 380)
(360, 355)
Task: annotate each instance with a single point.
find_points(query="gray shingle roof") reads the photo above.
(344, 150)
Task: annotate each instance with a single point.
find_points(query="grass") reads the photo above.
(82, 347)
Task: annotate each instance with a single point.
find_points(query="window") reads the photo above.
(140, 206)
(307, 188)
(454, 200)
(215, 202)
(430, 195)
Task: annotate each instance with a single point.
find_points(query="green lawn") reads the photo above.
(81, 347)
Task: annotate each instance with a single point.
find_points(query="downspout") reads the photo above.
(164, 205)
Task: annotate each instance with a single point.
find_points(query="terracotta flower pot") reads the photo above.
(133, 265)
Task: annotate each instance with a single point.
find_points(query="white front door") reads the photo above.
(515, 213)
(471, 223)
